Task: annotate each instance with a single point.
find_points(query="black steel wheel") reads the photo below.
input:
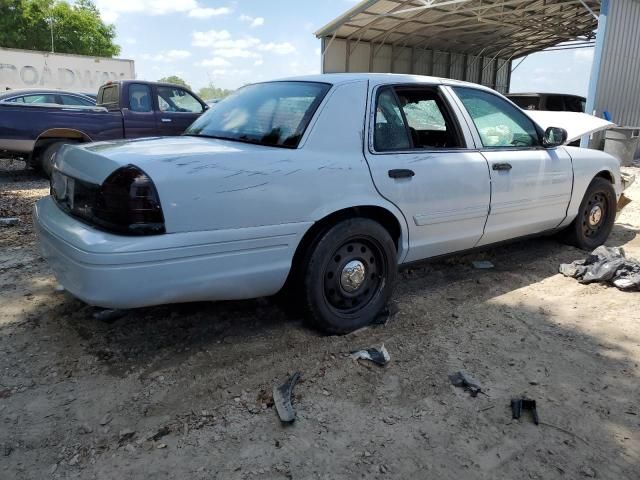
(596, 216)
(350, 275)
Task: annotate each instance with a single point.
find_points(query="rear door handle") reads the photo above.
(401, 173)
(502, 166)
(165, 120)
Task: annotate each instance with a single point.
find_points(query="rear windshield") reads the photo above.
(274, 114)
(109, 95)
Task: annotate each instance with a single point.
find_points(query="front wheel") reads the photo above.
(350, 275)
(596, 216)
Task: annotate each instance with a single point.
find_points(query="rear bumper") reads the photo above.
(115, 271)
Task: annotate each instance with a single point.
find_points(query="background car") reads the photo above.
(53, 97)
(555, 102)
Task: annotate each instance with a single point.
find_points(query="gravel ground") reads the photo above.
(184, 391)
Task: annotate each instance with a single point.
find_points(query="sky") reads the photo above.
(231, 43)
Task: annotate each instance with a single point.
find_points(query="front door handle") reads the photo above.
(401, 173)
(502, 166)
(165, 120)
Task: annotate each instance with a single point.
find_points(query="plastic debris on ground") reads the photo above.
(379, 356)
(483, 264)
(463, 379)
(519, 404)
(282, 399)
(108, 315)
(9, 222)
(605, 265)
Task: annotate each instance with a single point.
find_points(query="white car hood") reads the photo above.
(576, 124)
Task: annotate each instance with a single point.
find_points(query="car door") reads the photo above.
(139, 118)
(419, 159)
(530, 185)
(176, 110)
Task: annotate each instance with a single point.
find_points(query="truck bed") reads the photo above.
(22, 125)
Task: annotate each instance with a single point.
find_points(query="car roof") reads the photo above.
(37, 91)
(381, 78)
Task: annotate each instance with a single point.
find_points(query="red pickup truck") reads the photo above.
(125, 109)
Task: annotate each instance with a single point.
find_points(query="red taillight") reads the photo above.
(127, 202)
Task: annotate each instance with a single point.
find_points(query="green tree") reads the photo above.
(175, 80)
(210, 92)
(77, 28)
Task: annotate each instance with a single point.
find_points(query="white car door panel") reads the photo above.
(529, 198)
(530, 185)
(443, 190)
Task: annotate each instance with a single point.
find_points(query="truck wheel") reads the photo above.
(350, 275)
(596, 216)
(48, 156)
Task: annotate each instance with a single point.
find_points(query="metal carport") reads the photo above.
(473, 40)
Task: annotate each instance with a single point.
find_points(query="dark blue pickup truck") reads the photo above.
(125, 109)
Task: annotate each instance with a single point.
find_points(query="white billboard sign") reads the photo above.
(30, 69)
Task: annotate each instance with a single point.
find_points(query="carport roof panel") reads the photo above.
(508, 28)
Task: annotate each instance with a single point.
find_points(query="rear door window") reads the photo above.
(140, 98)
(431, 126)
(413, 118)
(391, 131)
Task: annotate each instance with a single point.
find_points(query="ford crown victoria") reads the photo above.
(323, 184)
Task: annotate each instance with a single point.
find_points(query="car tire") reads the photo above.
(349, 275)
(596, 216)
(48, 157)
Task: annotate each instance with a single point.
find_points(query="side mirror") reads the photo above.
(554, 137)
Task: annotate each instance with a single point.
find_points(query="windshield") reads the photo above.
(274, 114)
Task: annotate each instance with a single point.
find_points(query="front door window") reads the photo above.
(499, 123)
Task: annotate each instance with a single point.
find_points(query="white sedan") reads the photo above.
(324, 184)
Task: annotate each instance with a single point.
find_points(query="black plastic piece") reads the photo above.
(401, 173)
(282, 399)
(519, 404)
(502, 166)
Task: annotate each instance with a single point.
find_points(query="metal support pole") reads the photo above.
(347, 56)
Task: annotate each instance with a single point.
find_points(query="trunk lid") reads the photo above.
(160, 157)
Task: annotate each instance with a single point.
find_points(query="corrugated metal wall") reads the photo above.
(492, 72)
(618, 90)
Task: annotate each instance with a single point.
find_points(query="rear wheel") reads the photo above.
(350, 275)
(596, 216)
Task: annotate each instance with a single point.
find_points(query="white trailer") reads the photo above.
(79, 73)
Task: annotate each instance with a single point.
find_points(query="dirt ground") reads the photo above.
(184, 391)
